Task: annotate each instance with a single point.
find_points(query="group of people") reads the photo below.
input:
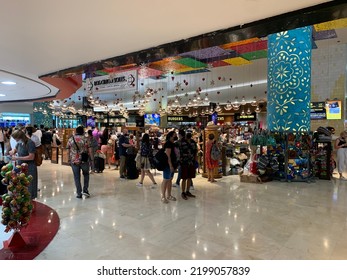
(181, 153)
(182, 156)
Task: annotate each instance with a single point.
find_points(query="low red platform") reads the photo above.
(30, 242)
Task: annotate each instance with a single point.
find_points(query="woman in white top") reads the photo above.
(55, 138)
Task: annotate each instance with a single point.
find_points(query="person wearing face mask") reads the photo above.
(24, 152)
(341, 149)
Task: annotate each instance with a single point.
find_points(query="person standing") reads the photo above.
(37, 132)
(169, 170)
(181, 137)
(210, 163)
(96, 135)
(341, 148)
(46, 141)
(146, 153)
(123, 144)
(107, 146)
(8, 132)
(93, 147)
(78, 144)
(2, 140)
(24, 152)
(55, 138)
(186, 165)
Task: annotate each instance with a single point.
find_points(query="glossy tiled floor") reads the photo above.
(227, 220)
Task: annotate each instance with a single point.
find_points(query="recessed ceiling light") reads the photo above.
(2, 95)
(8, 83)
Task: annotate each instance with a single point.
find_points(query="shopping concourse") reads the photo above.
(250, 109)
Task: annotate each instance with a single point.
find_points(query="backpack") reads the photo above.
(38, 155)
(215, 152)
(160, 160)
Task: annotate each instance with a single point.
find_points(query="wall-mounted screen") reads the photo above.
(152, 119)
(318, 111)
(333, 109)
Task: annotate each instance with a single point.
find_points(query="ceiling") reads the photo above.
(40, 38)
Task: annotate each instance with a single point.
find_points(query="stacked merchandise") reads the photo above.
(285, 156)
(269, 157)
(299, 146)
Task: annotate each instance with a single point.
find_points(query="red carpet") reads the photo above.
(43, 226)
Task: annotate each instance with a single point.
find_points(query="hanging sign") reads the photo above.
(116, 82)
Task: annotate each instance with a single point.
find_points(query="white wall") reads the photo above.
(17, 107)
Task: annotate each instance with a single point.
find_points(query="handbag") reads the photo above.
(131, 150)
(58, 142)
(84, 155)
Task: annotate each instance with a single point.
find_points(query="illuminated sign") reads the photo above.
(333, 109)
(180, 119)
(243, 118)
(318, 111)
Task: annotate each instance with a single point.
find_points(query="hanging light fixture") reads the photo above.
(257, 109)
(218, 108)
(254, 101)
(243, 101)
(248, 112)
(236, 104)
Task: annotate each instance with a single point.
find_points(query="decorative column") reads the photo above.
(289, 80)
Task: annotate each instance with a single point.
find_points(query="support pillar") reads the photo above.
(289, 80)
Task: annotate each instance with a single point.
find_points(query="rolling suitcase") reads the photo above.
(99, 164)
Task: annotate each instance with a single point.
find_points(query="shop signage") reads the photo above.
(245, 118)
(116, 82)
(130, 124)
(318, 111)
(179, 119)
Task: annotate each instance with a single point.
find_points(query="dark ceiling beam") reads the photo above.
(312, 15)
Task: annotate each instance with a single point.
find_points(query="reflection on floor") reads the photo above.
(227, 219)
(43, 226)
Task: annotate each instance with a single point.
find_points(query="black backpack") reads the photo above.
(160, 160)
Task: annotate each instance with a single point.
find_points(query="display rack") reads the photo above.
(285, 156)
(322, 164)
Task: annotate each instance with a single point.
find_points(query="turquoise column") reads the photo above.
(289, 80)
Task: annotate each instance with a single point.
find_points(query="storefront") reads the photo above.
(13, 119)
